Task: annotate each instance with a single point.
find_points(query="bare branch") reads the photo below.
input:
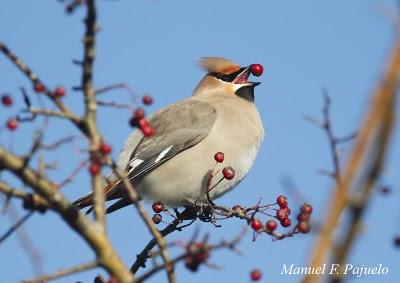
(63, 273)
(91, 106)
(78, 221)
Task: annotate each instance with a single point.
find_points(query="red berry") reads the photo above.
(94, 168)
(38, 87)
(6, 100)
(12, 124)
(142, 123)
(306, 209)
(255, 275)
(271, 225)
(197, 253)
(158, 207)
(138, 113)
(59, 92)
(281, 214)
(157, 218)
(105, 148)
(228, 173)
(147, 131)
(219, 157)
(202, 252)
(256, 224)
(112, 280)
(282, 201)
(147, 99)
(287, 210)
(256, 69)
(286, 222)
(303, 217)
(304, 227)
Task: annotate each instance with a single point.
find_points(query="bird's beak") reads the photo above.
(243, 76)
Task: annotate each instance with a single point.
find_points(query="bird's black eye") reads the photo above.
(226, 78)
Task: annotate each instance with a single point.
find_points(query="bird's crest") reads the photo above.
(218, 65)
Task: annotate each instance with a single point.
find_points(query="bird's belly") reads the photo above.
(174, 183)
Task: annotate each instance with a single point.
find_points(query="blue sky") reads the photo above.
(153, 46)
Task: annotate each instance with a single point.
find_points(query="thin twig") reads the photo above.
(142, 257)
(148, 221)
(53, 113)
(63, 272)
(15, 226)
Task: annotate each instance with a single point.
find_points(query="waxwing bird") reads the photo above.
(173, 165)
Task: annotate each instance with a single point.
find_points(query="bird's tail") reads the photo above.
(87, 200)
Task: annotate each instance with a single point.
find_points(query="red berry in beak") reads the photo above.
(256, 69)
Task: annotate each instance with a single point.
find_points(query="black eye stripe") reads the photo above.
(227, 77)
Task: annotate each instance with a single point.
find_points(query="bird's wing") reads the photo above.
(176, 128)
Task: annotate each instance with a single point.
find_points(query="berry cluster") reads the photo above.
(282, 214)
(98, 160)
(228, 172)
(157, 207)
(197, 253)
(7, 101)
(139, 120)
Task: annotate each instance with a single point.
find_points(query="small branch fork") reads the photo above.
(333, 141)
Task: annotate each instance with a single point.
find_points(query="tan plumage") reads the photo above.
(173, 165)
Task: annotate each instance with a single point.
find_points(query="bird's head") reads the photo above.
(227, 78)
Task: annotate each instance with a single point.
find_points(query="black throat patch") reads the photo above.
(246, 92)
